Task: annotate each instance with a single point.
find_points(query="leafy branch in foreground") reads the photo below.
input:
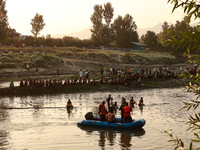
(191, 40)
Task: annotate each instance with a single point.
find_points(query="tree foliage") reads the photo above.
(97, 20)
(3, 20)
(151, 39)
(108, 13)
(190, 39)
(125, 31)
(37, 24)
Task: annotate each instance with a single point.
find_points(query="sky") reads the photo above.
(69, 16)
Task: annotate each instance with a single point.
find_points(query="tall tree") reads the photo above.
(108, 13)
(37, 24)
(102, 34)
(125, 31)
(3, 21)
(97, 20)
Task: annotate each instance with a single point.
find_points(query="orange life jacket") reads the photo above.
(102, 109)
(127, 110)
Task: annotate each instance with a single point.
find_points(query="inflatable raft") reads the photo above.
(135, 124)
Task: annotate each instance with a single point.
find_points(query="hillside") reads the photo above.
(69, 60)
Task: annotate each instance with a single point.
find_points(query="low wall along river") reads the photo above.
(53, 127)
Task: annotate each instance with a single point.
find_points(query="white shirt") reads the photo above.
(81, 73)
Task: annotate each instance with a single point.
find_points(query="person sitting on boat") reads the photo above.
(110, 116)
(102, 111)
(141, 102)
(127, 114)
(69, 104)
(132, 102)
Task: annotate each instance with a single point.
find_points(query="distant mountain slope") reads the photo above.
(86, 33)
(156, 29)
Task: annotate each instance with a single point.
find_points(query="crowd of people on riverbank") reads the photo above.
(129, 77)
(125, 108)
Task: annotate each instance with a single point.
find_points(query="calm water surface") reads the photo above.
(54, 127)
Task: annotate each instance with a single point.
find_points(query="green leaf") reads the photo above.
(190, 148)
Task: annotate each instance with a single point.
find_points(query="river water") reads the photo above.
(54, 127)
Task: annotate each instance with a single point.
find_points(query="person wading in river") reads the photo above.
(132, 102)
(108, 101)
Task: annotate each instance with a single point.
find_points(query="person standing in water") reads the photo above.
(108, 101)
(69, 104)
(141, 102)
(132, 102)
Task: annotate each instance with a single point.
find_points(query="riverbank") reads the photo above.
(84, 88)
(65, 62)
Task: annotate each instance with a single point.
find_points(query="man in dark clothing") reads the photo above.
(108, 101)
(122, 110)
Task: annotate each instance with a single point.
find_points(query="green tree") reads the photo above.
(106, 35)
(175, 32)
(102, 34)
(37, 24)
(191, 40)
(3, 21)
(108, 13)
(163, 36)
(97, 20)
(151, 39)
(125, 31)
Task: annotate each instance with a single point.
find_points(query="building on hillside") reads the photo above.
(138, 47)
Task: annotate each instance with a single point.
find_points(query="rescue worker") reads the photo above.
(127, 114)
(102, 111)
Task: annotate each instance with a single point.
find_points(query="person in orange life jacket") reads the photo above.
(127, 114)
(102, 111)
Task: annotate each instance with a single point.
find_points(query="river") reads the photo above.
(53, 127)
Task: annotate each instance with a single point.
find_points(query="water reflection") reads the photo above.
(69, 110)
(4, 116)
(3, 139)
(110, 136)
(141, 109)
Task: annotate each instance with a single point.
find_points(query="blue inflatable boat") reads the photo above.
(135, 124)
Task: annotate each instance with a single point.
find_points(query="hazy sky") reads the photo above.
(68, 16)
